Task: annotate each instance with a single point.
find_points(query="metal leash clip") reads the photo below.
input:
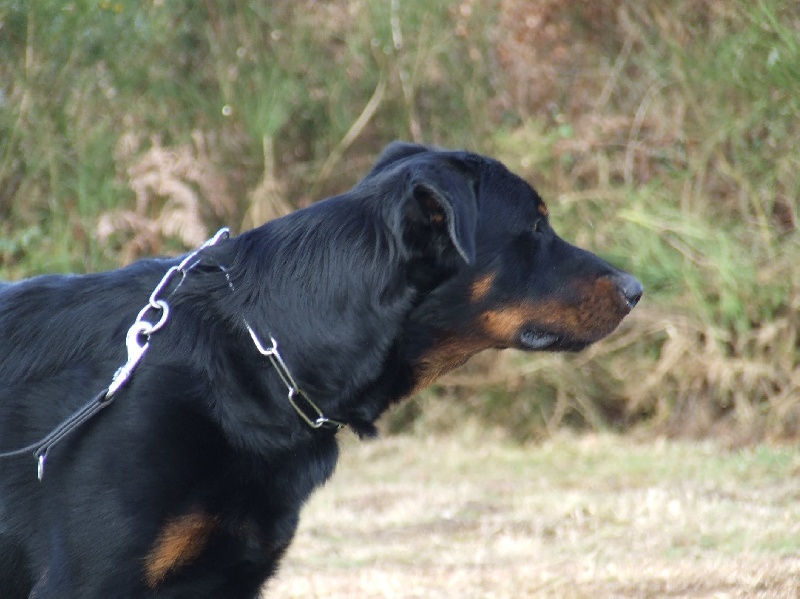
(136, 350)
(142, 327)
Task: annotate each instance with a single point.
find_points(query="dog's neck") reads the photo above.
(334, 372)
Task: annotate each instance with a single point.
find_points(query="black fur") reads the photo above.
(190, 484)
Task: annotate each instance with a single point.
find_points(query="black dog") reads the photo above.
(190, 483)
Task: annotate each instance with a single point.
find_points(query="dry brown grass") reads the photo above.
(595, 516)
(179, 190)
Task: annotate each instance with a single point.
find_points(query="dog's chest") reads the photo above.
(200, 547)
(242, 525)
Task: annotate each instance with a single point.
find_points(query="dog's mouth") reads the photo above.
(533, 340)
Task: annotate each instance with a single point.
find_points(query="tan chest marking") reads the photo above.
(179, 542)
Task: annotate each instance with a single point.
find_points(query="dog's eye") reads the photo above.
(538, 225)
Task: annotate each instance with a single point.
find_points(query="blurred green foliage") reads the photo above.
(663, 135)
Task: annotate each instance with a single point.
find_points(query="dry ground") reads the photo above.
(591, 516)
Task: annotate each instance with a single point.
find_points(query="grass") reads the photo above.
(599, 515)
(662, 135)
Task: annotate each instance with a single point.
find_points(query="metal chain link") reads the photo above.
(142, 328)
(319, 420)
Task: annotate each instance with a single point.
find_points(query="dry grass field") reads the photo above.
(590, 516)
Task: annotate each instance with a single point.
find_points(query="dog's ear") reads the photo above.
(440, 206)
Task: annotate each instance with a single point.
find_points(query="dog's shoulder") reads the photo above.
(49, 320)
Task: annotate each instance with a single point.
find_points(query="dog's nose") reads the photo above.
(630, 288)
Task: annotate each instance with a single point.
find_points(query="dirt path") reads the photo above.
(596, 516)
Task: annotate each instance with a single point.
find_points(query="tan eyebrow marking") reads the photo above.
(481, 287)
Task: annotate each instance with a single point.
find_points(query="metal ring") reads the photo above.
(138, 328)
(159, 305)
(164, 307)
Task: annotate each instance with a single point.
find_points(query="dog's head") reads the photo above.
(431, 258)
(490, 270)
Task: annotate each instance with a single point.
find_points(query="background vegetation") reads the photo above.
(662, 133)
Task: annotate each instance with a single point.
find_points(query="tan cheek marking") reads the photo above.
(181, 541)
(597, 314)
(504, 323)
(446, 355)
(481, 287)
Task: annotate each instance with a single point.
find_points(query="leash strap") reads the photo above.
(100, 401)
(41, 448)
